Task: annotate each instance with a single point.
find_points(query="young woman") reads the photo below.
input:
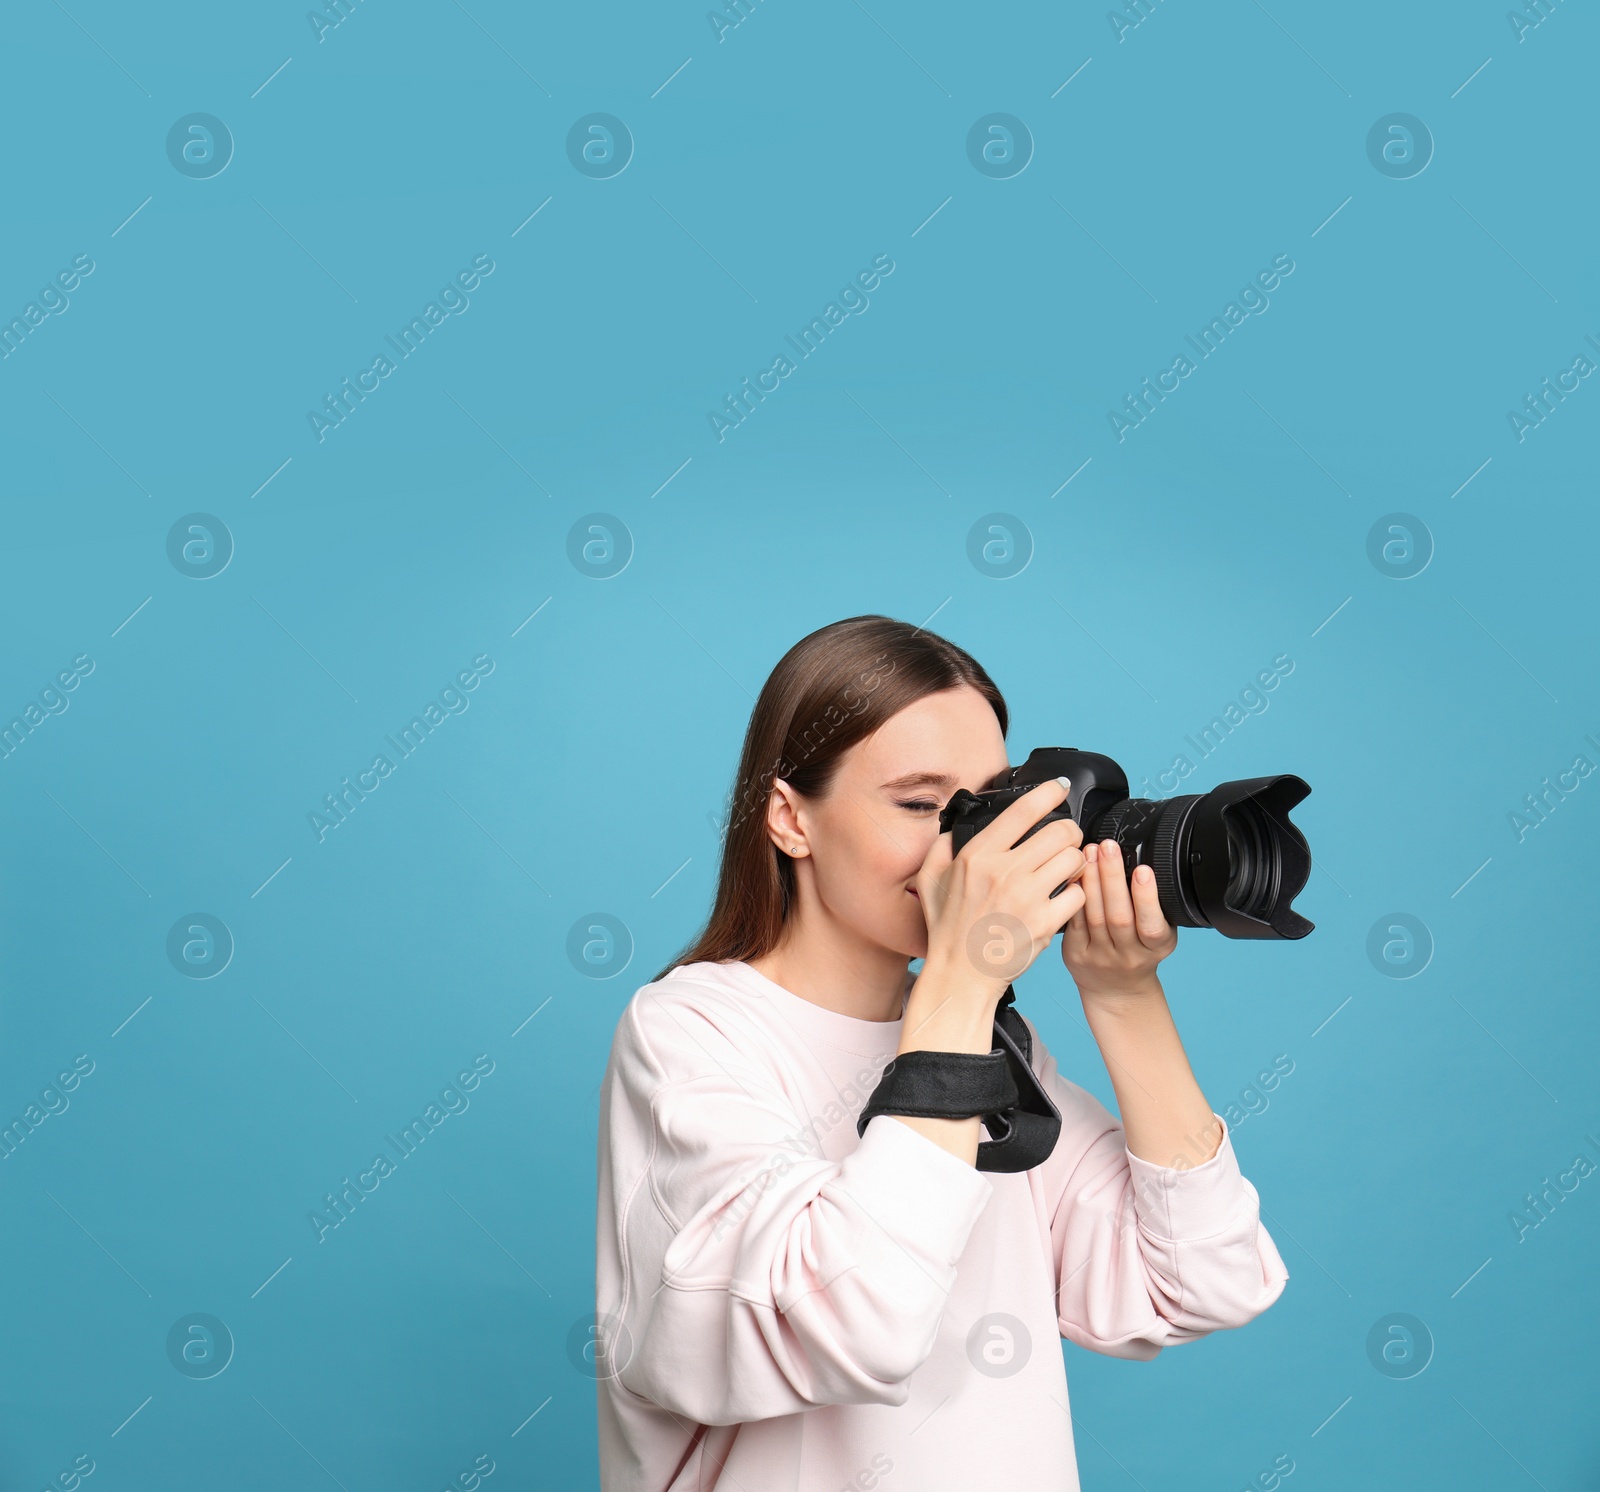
(782, 1304)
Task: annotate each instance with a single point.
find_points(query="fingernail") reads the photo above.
(1144, 875)
(1089, 853)
(1066, 783)
(1113, 848)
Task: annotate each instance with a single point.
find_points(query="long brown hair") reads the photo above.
(830, 690)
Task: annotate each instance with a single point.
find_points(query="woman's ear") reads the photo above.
(783, 820)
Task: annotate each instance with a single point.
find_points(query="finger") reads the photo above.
(1065, 908)
(1057, 872)
(1017, 818)
(1049, 841)
(1114, 892)
(1075, 935)
(1148, 919)
(1094, 907)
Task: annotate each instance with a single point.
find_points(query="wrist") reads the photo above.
(951, 1008)
(1119, 999)
(951, 977)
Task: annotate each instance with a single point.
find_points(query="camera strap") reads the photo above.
(999, 1086)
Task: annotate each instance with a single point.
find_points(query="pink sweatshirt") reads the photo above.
(786, 1307)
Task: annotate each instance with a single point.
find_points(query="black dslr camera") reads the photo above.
(1228, 859)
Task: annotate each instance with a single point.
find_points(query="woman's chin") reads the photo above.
(914, 944)
(907, 943)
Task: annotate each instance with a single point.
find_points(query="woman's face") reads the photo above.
(867, 837)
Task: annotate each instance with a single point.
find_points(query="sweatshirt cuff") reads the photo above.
(1193, 1203)
(915, 1183)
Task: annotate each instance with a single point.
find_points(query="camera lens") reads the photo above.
(1228, 859)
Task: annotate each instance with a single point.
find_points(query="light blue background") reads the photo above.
(372, 966)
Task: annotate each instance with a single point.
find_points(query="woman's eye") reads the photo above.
(920, 805)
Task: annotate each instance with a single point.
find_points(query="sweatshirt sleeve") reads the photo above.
(1147, 1256)
(762, 1279)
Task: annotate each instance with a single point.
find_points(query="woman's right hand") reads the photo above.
(990, 914)
(989, 909)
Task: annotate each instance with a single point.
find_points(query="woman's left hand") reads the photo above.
(1112, 945)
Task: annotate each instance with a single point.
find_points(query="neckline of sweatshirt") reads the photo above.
(815, 1023)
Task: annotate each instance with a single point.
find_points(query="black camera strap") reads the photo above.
(1000, 1086)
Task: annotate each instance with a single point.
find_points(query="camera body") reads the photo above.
(1228, 859)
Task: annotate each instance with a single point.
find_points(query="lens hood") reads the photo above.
(1222, 869)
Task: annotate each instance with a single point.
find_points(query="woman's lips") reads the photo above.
(913, 891)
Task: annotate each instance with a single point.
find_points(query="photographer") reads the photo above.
(786, 1304)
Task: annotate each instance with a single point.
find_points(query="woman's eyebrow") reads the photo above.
(921, 779)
